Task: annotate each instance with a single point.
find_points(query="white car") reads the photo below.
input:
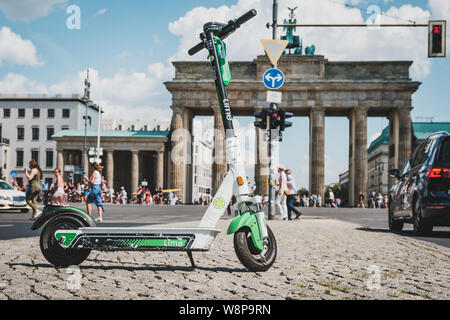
(12, 199)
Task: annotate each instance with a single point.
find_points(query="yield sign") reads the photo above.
(274, 49)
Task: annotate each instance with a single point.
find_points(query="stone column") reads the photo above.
(262, 163)
(393, 145)
(188, 175)
(134, 174)
(316, 151)
(110, 168)
(359, 153)
(60, 160)
(351, 152)
(219, 166)
(404, 136)
(177, 150)
(160, 169)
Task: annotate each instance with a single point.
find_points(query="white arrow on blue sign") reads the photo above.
(273, 78)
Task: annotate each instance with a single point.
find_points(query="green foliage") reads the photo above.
(303, 191)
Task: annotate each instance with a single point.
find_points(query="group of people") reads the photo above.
(57, 191)
(375, 201)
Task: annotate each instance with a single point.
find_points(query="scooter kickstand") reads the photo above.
(189, 253)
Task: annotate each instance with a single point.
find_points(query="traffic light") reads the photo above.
(283, 116)
(436, 39)
(263, 122)
(275, 120)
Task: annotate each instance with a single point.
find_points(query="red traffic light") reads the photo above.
(437, 29)
(275, 116)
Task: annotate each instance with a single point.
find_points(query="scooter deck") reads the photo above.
(139, 239)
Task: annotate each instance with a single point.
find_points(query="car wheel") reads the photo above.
(394, 225)
(420, 226)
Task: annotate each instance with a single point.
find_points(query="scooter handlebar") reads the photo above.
(228, 29)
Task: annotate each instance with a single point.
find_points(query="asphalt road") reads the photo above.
(17, 225)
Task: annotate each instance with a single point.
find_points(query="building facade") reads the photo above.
(138, 125)
(129, 157)
(29, 122)
(202, 148)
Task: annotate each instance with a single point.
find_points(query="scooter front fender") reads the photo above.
(247, 219)
(52, 211)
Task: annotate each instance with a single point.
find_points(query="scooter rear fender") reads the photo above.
(50, 212)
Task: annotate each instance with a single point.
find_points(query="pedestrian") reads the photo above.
(95, 194)
(331, 200)
(319, 200)
(123, 196)
(58, 196)
(283, 190)
(291, 196)
(361, 201)
(34, 186)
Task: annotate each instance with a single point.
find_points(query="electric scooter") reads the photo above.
(69, 234)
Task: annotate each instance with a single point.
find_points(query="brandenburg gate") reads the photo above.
(314, 88)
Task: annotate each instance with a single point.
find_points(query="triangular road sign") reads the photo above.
(274, 49)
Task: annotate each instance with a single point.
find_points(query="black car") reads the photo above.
(421, 193)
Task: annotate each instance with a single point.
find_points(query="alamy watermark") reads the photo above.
(73, 281)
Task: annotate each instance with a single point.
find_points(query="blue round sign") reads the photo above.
(273, 78)
(13, 173)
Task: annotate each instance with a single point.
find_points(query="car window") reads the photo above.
(5, 186)
(406, 168)
(444, 153)
(422, 153)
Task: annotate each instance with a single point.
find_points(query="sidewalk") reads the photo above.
(317, 259)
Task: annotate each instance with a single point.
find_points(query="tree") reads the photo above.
(303, 191)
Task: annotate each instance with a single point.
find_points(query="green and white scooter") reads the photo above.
(69, 234)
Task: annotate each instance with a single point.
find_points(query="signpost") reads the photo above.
(273, 79)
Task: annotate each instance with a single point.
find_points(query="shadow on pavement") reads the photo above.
(146, 267)
(437, 237)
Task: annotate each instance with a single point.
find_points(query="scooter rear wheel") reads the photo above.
(252, 258)
(53, 251)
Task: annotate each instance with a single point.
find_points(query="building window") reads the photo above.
(36, 113)
(21, 113)
(6, 113)
(20, 133)
(50, 132)
(49, 159)
(66, 113)
(35, 155)
(120, 127)
(50, 113)
(64, 128)
(19, 158)
(35, 133)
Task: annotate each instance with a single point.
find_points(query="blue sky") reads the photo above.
(129, 45)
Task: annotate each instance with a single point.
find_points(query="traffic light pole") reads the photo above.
(273, 144)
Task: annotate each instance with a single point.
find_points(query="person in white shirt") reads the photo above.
(283, 189)
(291, 196)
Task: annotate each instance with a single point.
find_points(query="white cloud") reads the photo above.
(100, 12)
(124, 54)
(15, 50)
(334, 44)
(27, 10)
(127, 95)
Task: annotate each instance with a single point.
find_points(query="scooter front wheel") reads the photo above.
(252, 258)
(53, 251)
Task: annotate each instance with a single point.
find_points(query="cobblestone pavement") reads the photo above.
(317, 259)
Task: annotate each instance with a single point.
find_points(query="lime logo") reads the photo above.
(219, 203)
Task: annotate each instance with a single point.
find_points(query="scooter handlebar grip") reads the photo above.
(247, 16)
(196, 49)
